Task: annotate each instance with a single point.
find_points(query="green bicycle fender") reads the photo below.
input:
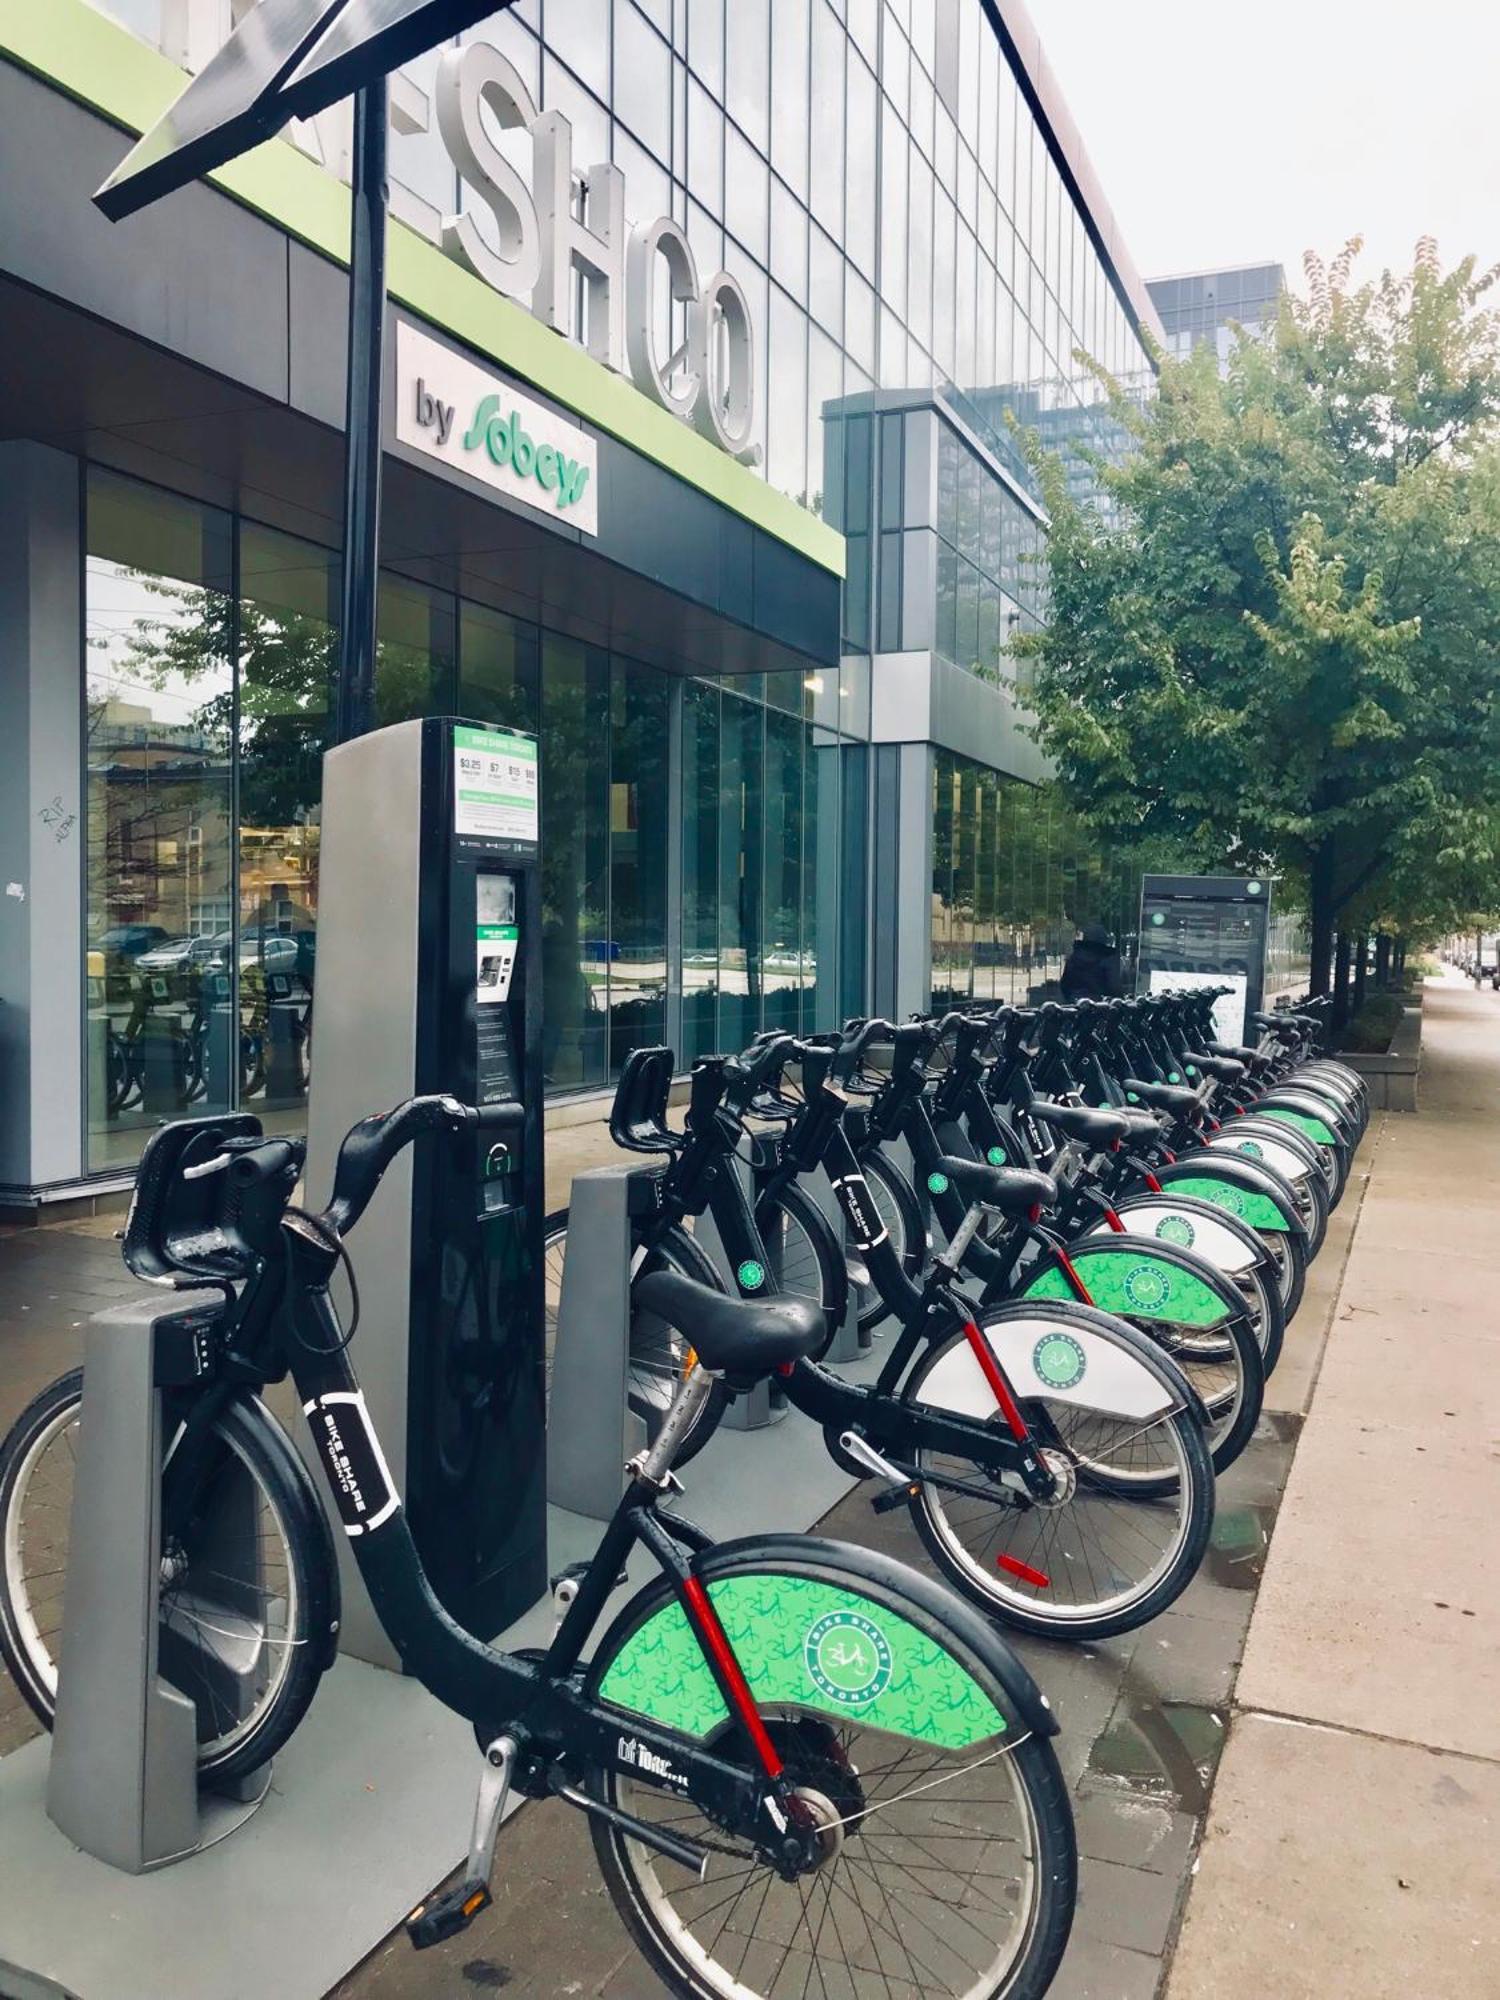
(1127, 1278)
(1257, 1209)
(1313, 1127)
(807, 1642)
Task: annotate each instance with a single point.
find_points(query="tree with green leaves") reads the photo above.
(1277, 640)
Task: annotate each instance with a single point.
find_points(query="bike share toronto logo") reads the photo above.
(1177, 1229)
(848, 1658)
(751, 1275)
(1147, 1288)
(1059, 1361)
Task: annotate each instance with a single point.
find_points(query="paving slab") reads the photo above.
(1343, 1867)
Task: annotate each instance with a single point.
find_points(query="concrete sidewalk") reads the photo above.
(1354, 1828)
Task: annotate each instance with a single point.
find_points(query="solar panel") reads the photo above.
(286, 59)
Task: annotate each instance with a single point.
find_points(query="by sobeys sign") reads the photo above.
(449, 408)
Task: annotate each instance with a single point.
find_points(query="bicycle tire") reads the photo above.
(679, 1251)
(896, 1204)
(849, 1767)
(805, 1255)
(249, 1432)
(1232, 1418)
(1026, 1606)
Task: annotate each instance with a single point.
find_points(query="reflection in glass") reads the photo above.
(575, 862)
(415, 650)
(700, 871)
(783, 873)
(741, 816)
(637, 934)
(288, 599)
(158, 814)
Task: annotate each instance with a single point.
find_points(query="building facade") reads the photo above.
(708, 321)
(1202, 308)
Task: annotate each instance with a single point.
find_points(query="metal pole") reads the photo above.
(355, 707)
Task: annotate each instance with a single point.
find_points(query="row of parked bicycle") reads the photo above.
(807, 1768)
(1104, 1200)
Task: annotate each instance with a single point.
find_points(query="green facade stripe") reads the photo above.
(104, 66)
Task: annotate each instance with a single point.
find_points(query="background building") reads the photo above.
(783, 776)
(1201, 308)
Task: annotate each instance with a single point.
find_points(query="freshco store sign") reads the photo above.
(449, 409)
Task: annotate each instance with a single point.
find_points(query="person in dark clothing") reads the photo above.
(1094, 970)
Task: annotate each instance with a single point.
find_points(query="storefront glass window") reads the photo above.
(741, 810)
(575, 862)
(287, 652)
(700, 871)
(637, 949)
(783, 873)
(159, 624)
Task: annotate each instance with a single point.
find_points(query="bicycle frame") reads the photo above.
(537, 1699)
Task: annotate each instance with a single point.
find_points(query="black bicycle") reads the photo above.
(806, 1768)
(1053, 1457)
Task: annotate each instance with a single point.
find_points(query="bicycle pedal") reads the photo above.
(894, 1497)
(445, 1915)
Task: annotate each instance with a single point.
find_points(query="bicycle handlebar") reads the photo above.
(369, 1147)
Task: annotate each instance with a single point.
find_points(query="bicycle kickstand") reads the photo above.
(453, 1910)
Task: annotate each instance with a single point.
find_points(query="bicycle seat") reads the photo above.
(1223, 1069)
(1014, 1190)
(1139, 1122)
(740, 1336)
(1079, 1121)
(1164, 1096)
(1251, 1058)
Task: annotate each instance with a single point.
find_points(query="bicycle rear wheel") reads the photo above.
(948, 1874)
(246, 1618)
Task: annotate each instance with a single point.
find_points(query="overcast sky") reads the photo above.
(1234, 131)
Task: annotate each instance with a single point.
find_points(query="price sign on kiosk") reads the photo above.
(429, 979)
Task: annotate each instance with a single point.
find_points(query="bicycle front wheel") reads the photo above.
(948, 1874)
(247, 1593)
(898, 1208)
(806, 1259)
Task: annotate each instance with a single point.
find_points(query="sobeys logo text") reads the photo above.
(507, 443)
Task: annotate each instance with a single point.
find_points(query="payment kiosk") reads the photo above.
(429, 979)
(1207, 930)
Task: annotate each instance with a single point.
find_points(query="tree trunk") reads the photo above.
(1382, 960)
(1361, 959)
(1320, 887)
(1341, 980)
(1400, 960)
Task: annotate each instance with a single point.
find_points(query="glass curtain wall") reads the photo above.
(1014, 875)
(211, 648)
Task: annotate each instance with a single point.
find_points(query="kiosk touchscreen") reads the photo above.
(1207, 930)
(429, 979)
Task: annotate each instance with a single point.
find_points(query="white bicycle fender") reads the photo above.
(1282, 1158)
(1198, 1233)
(1048, 1357)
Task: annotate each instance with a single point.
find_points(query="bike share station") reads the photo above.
(108, 1842)
(1207, 930)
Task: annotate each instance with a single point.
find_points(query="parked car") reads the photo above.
(130, 940)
